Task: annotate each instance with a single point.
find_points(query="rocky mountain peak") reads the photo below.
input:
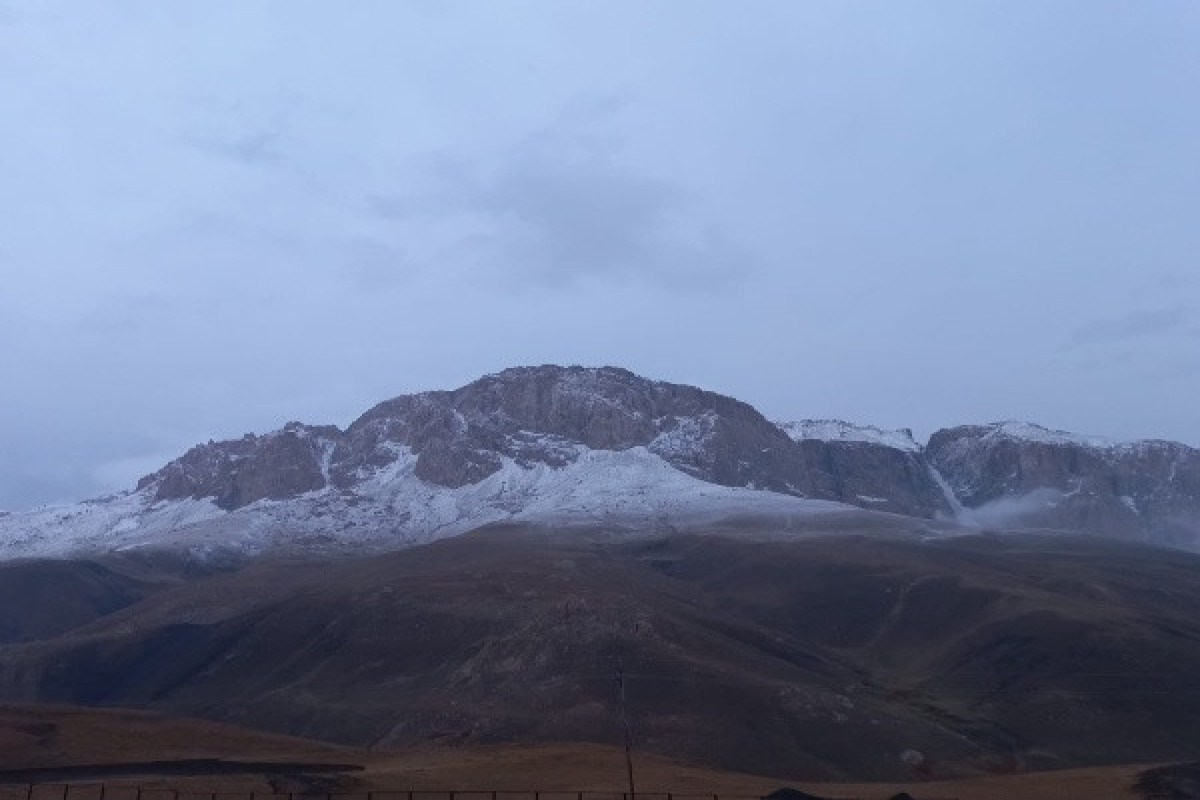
(234, 473)
(544, 414)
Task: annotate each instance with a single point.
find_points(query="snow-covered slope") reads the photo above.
(836, 430)
(392, 507)
(1030, 432)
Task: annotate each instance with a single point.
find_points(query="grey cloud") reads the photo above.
(127, 470)
(10, 15)
(1171, 281)
(562, 223)
(1134, 325)
(560, 211)
(251, 129)
(371, 266)
(359, 261)
(1172, 371)
(251, 148)
(63, 465)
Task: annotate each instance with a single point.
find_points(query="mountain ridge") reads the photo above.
(608, 445)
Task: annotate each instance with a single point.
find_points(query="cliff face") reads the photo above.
(1140, 490)
(870, 467)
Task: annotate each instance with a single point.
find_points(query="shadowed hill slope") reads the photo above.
(828, 658)
(39, 599)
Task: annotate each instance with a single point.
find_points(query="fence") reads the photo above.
(102, 791)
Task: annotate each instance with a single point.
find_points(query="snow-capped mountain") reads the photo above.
(606, 447)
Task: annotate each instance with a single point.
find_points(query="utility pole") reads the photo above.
(625, 723)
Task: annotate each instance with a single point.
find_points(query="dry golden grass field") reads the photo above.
(65, 737)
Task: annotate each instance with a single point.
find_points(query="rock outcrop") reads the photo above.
(277, 466)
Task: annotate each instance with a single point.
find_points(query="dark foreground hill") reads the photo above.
(834, 657)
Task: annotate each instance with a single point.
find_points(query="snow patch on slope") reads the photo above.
(1029, 432)
(1112, 448)
(683, 437)
(114, 522)
(391, 507)
(836, 430)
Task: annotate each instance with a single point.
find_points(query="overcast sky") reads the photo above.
(216, 217)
